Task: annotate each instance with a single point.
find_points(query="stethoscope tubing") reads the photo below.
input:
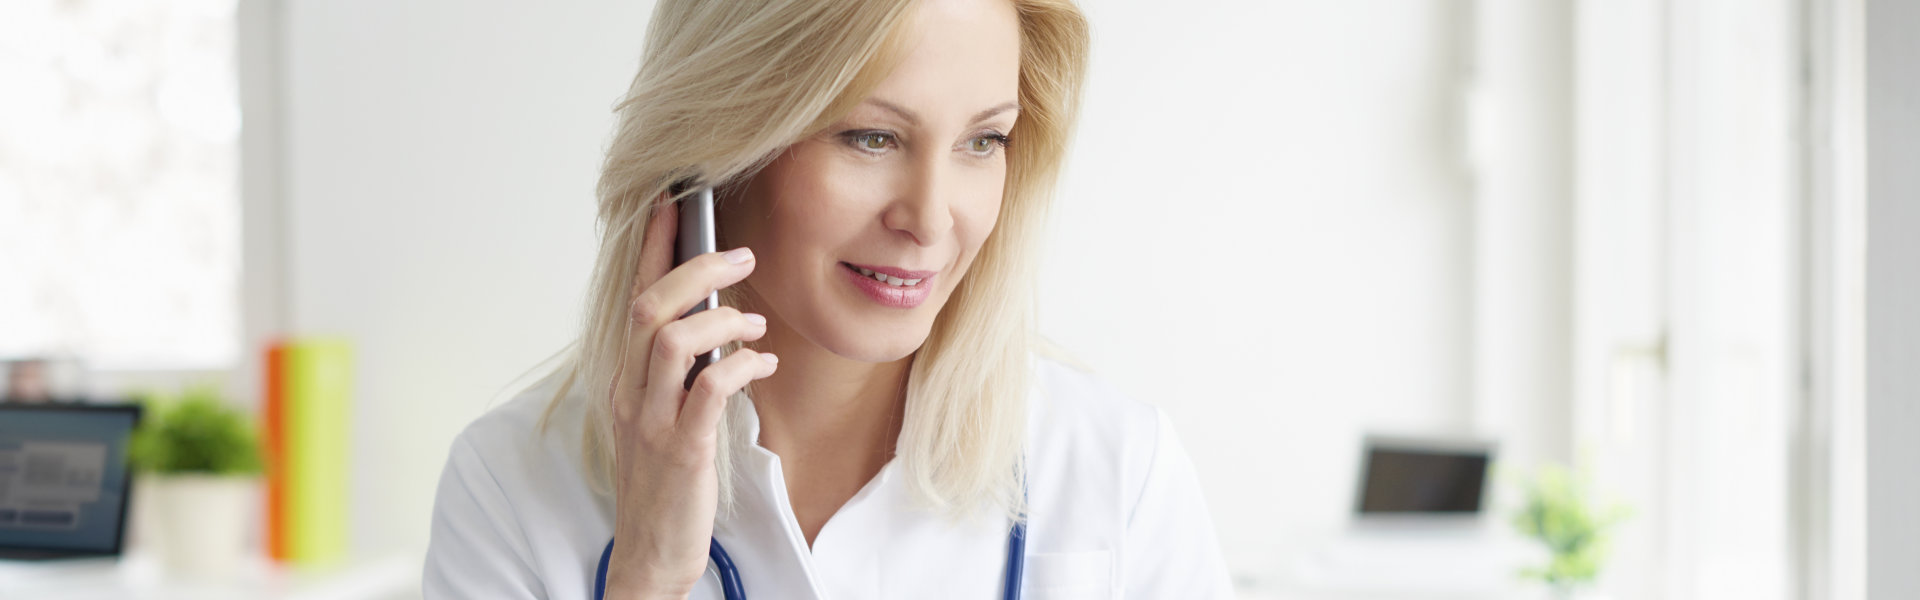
(731, 587)
(1016, 559)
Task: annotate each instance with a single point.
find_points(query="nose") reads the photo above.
(923, 208)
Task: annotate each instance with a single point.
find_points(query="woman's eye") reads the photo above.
(986, 144)
(872, 141)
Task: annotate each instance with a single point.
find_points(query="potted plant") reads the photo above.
(1559, 513)
(201, 464)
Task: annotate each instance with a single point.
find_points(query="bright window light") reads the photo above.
(119, 188)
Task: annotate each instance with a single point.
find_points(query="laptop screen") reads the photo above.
(63, 476)
(1413, 481)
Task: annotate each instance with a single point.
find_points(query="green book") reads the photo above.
(319, 397)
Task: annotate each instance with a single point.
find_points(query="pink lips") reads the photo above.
(891, 295)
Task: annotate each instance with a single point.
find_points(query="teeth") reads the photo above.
(886, 279)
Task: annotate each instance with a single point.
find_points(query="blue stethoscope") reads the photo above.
(730, 576)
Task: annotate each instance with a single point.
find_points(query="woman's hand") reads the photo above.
(664, 436)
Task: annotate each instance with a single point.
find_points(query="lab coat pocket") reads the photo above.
(1069, 575)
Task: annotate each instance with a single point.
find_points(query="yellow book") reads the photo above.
(319, 379)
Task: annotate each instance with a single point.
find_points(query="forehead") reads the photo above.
(961, 56)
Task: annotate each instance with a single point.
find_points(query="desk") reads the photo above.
(139, 577)
(1410, 563)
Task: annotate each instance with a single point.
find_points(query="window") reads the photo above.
(119, 197)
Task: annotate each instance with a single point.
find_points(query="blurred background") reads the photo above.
(1435, 291)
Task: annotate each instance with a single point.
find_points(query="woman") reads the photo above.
(880, 426)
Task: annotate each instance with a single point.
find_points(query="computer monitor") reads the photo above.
(64, 479)
(1423, 477)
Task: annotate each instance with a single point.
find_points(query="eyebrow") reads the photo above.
(913, 118)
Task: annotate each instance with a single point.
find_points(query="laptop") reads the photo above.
(1427, 480)
(64, 479)
(1419, 527)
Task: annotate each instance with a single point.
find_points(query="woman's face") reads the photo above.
(907, 187)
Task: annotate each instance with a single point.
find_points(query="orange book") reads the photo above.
(278, 546)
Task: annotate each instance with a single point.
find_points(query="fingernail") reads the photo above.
(769, 357)
(756, 319)
(739, 255)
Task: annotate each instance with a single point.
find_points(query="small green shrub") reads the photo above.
(196, 433)
(1560, 514)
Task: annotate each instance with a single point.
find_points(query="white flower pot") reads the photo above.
(201, 522)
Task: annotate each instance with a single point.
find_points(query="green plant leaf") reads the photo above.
(1559, 513)
(198, 432)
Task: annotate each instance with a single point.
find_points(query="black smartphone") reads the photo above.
(696, 237)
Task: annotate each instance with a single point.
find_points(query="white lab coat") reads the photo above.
(1114, 512)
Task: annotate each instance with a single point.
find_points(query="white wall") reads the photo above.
(439, 167)
(1263, 229)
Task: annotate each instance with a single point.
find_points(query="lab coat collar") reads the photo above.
(760, 530)
(762, 514)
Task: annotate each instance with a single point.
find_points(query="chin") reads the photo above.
(851, 340)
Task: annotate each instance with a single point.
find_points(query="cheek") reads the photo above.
(820, 203)
(976, 217)
(794, 202)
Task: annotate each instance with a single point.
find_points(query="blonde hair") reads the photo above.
(725, 85)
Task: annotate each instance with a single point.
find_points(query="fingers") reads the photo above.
(656, 258)
(686, 285)
(674, 348)
(708, 398)
(661, 293)
(656, 249)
